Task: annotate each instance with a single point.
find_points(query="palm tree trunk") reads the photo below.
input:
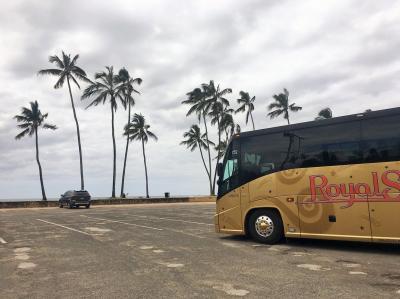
(126, 152)
(204, 162)
(40, 167)
(252, 121)
(114, 151)
(218, 156)
(145, 170)
(288, 122)
(78, 134)
(209, 154)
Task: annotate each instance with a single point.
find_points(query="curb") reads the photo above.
(108, 201)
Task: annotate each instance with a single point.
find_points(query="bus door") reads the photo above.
(385, 221)
(332, 218)
(229, 208)
(381, 143)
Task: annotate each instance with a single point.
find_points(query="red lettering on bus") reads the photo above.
(322, 191)
(314, 187)
(391, 183)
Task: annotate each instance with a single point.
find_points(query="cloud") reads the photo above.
(341, 54)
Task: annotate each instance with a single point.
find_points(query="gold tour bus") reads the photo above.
(336, 179)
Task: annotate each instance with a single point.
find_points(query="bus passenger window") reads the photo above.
(251, 167)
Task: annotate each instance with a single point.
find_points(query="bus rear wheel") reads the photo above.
(266, 226)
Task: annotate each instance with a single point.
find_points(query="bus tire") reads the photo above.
(266, 226)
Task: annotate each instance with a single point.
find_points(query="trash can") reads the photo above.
(166, 194)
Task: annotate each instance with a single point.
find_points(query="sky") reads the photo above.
(342, 54)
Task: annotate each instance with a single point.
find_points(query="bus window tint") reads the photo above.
(336, 144)
(262, 154)
(381, 139)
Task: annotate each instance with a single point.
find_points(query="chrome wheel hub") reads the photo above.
(264, 226)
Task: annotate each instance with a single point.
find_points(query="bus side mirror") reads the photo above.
(219, 170)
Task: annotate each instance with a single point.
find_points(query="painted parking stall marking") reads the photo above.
(148, 227)
(122, 222)
(65, 227)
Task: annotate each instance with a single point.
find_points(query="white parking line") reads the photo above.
(121, 222)
(179, 220)
(168, 219)
(166, 229)
(66, 227)
(2, 241)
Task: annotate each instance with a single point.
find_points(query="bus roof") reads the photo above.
(322, 122)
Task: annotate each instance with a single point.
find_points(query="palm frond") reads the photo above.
(275, 113)
(24, 125)
(152, 135)
(53, 72)
(22, 134)
(55, 59)
(138, 81)
(80, 74)
(49, 126)
(294, 108)
(73, 61)
(66, 59)
(101, 98)
(60, 81)
(274, 105)
(241, 109)
(21, 118)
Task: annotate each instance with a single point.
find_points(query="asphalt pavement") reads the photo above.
(172, 251)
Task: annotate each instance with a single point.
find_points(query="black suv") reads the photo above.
(73, 198)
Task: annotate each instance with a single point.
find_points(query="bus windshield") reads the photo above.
(230, 178)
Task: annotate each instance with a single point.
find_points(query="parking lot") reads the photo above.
(171, 251)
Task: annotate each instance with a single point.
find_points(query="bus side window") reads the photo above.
(250, 165)
(380, 142)
(333, 144)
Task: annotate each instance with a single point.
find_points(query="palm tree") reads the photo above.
(221, 148)
(67, 70)
(106, 87)
(200, 105)
(128, 89)
(246, 103)
(324, 114)
(218, 104)
(30, 120)
(281, 106)
(194, 139)
(139, 130)
(227, 124)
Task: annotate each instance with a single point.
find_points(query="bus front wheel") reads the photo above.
(265, 226)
